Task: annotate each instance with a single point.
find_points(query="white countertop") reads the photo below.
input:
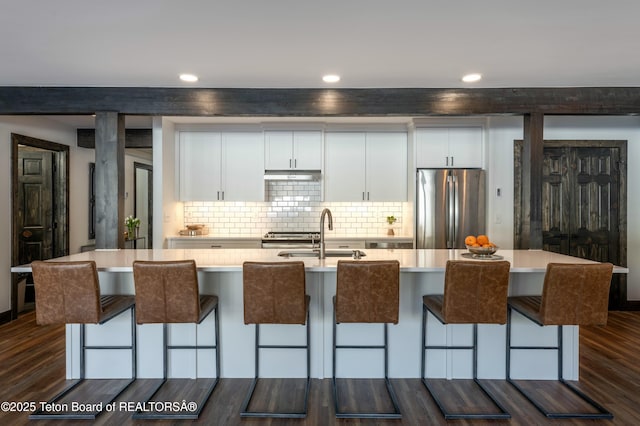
(230, 260)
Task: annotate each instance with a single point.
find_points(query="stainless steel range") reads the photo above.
(289, 240)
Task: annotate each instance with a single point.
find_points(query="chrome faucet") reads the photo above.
(325, 212)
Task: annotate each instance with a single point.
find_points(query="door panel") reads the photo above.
(35, 219)
(580, 199)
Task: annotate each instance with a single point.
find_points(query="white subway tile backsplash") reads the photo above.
(294, 206)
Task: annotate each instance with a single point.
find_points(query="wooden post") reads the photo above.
(532, 158)
(109, 180)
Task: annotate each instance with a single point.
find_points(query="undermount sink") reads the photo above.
(328, 253)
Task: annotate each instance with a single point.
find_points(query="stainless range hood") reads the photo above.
(301, 175)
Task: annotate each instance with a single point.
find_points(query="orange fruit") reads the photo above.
(470, 240)
(482, 240)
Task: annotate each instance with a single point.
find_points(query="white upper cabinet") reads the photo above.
(366, 166)
(215, 166)
(293, 150)
(242, 161)
(199, 166)
(344, 166)
(386, 166)
(449, 147)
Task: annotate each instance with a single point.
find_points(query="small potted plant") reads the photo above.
(132, 224)
(391, 220)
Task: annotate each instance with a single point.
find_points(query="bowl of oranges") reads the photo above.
(480, 245)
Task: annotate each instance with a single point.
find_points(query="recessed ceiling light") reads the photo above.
(472, 78)
(331, 78)
(189, 78)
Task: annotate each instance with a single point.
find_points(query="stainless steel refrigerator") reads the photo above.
(450, 204)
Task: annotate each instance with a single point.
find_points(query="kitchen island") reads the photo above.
(421, 272)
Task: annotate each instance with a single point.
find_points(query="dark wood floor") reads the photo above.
(32, 368)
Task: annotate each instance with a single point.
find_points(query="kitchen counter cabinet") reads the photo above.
(368, 166)
(293, 150)
(214, 166)
(421, 272)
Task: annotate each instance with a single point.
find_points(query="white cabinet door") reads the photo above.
(307, 150)
(278, 147)
(243, 160)
(345, 166)
(449, 147)
(465, 147)
(293, 150)
(199, 166)
(432, 147)
(386, 166)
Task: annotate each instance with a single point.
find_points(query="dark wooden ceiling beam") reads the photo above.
(133, 138)
(319, 102)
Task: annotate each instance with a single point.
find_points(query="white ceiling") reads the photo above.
(292, 43)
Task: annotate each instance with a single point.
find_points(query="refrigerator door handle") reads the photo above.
(450, 211)
(456, 210)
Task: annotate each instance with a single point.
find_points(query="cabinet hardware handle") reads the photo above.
(222, 195)
(216, 246)
(451, 161)
(447, 160)
(367, 195)
(289, 162)
(218, 195)
(363, 196)
(295, 163)
(345, 246)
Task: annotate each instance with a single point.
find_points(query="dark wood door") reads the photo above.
(581, 206)
(35, 213)
(580, 199)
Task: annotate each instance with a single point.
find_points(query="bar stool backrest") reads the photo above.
(274, 293)
(475, 292)
(576, 294)
(66, 292)
(367, 291)
(166, 291)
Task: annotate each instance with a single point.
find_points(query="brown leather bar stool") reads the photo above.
(69, 293)
(475, 292)
(275, 293)
(572, 294)
(167, 293)
(366, 292)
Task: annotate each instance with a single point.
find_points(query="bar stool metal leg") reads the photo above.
(165, 367)
(392, 395)
(244, 412)
(41, 414)
(448, 415)
(295, 415)
(602, 413)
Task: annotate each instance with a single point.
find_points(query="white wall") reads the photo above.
(502, 132)
(79, 159)
(168, 212)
